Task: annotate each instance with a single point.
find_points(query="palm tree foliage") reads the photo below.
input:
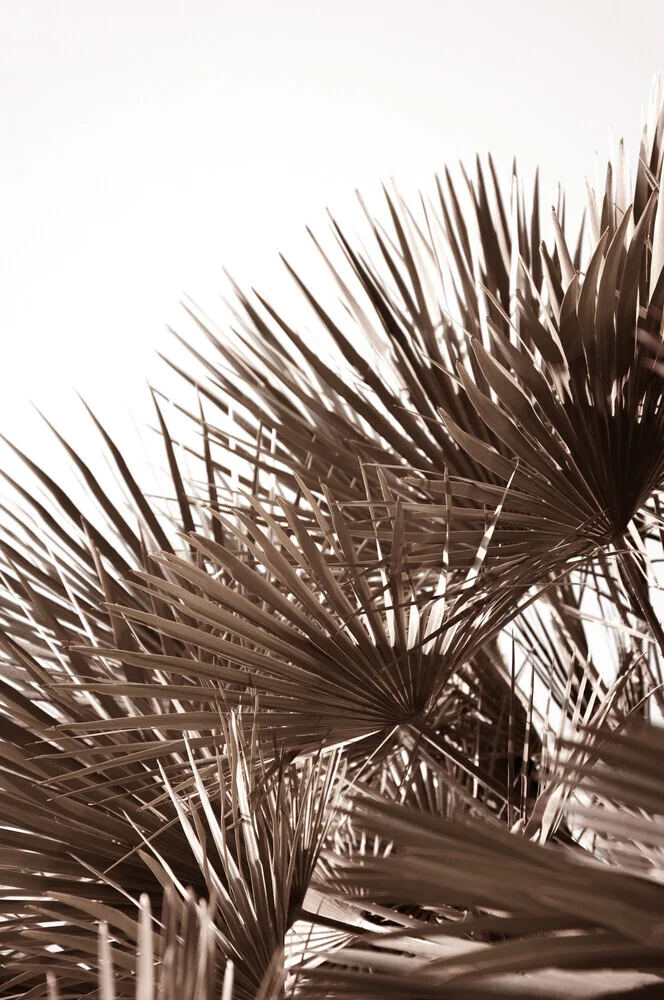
(368, 704)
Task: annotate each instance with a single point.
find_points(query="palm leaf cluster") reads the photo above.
(368, 703)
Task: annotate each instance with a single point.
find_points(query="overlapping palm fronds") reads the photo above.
(59, 566)
(584, 418)
(554, 907)
(294, 413)
(367, 699)
(172, 957)
(500, 906)
(243, 834)
(529, 354)
(542, 364)
(337, 651)
(364, 388)
(471, 348)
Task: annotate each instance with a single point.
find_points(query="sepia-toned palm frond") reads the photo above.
(500, 905)
(337, 651)
(245, 837)
(366, 699)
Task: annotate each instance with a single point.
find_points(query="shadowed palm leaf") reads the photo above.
(249, 842)
(500, 904)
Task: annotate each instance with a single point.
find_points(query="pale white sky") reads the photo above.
(144, 145)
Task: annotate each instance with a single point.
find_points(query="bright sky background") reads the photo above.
(145, 145)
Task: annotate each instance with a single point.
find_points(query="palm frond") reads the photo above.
(511, 904)
(246, 837)
(363, 702)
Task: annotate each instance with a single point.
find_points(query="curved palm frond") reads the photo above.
(501, 904)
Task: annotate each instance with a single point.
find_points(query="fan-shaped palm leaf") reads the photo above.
(335, 654)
